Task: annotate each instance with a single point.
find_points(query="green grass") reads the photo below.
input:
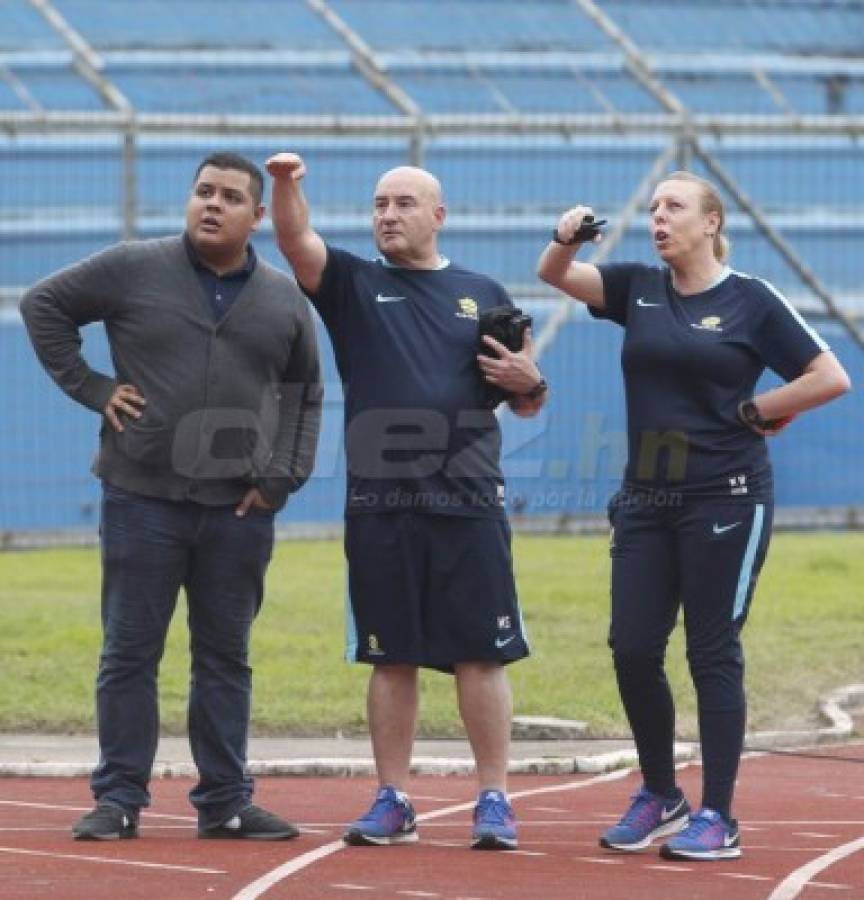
(803, 638)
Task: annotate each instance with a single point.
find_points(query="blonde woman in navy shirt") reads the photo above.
(692, 521)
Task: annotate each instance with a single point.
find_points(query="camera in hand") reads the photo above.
(507, 324)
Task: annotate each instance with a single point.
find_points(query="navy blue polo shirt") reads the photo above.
(417, 434)
(688, 363)
(220, 290)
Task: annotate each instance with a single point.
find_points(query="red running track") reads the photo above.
(802, 824)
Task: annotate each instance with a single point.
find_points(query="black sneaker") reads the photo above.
(253, 824)
(105, 823)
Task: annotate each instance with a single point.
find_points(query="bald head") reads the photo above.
(415, 180)
(408, 214)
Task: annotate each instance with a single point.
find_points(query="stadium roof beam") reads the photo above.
(369, 67)
(85, 59)
(792, 258)
(15, 122)
(672, 103)
(87, 63)
(19, 89)
(535, 62)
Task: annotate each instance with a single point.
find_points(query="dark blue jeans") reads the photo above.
(150, 549)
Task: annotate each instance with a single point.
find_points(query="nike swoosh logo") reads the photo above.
(383, 298)
(641, 302)
(730, 840)
(668, 814)
(721, 529)
(499, 642)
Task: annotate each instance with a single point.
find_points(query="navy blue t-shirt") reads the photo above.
(417, 434)
(688, 363)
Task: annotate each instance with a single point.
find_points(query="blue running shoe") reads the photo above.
(650, 816)
(494, 823)
(707, 836)
(390, 820)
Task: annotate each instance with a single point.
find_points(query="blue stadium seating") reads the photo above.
(198, 23)
(62, 196)
(471, 24)
(9, 99)
(59, 88)
(831, 27)
(228, 89)
(22, 28)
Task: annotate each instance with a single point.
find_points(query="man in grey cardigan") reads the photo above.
(210, 421)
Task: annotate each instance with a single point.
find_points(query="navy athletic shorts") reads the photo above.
(431, 590)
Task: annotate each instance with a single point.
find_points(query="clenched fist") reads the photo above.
(286, 165)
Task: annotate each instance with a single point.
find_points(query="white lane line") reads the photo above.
(669, 868)
(599, 860)
(112, 862)
(811, 822)
(60, 808)
(417, 894)
(352, 887)
(794, 883)
(831, 887)
(256, 888)
(814, 834)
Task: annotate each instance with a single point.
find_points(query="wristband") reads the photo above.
(538, 390)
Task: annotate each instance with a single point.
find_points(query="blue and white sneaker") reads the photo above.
(649, 817)
(390, 820)
(494, 823)
(707, 836)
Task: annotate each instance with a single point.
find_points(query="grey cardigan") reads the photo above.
(230, 404)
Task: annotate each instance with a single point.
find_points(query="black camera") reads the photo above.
(507, 324)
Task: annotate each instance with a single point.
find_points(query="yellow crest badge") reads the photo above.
(467, 308)
(710, 323)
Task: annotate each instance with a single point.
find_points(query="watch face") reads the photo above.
(750, 413)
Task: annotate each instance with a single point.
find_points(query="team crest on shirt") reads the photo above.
(709, 323)
(467, 308)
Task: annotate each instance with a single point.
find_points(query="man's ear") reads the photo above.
(259, 216)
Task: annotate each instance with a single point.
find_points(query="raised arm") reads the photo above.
(301, 245)
(557, 267)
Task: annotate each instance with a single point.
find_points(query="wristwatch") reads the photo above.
(748, 413)
(538, 390)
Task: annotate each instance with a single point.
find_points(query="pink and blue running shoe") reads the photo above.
(494, 823)
(649, 817)
(390, 820)
(707, 836)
